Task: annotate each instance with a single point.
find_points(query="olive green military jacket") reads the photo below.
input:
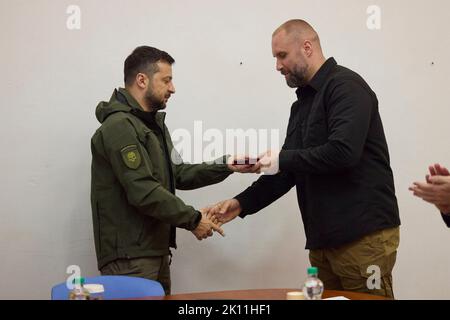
(135, 171)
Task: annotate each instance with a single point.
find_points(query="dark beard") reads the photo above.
(297, 78)
(155, 103)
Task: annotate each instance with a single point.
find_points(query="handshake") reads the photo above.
(213, 217)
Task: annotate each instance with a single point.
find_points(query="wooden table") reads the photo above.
(261, 294)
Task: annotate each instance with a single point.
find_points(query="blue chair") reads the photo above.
(116, 287)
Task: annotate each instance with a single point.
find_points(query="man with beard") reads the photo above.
(336, 154)
(135, 171)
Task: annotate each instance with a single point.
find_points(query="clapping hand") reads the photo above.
(436, 189)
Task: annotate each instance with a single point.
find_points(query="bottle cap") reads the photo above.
(313, 271)
(79, 280)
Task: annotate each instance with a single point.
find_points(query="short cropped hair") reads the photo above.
(143, 59)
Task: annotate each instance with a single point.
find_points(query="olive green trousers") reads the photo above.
(364, 265)
(153, 268)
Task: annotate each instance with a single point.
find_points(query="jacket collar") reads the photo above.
(130, 101)
(136, 109)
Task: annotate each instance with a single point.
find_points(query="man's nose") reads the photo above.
(172, 88)
(279, 66)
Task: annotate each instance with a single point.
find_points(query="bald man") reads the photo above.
(336, 155)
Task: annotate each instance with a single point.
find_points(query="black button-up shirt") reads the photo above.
(336, 154)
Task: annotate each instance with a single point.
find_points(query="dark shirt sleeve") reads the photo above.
(350, 108)
(264, 191)
(446, 218)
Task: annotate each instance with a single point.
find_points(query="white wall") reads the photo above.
(52, 78)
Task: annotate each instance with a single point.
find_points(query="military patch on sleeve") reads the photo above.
(131, 156)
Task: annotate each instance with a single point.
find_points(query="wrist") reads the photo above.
(237, 205)
(197, 220)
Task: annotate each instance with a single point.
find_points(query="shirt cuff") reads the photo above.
(222, 163)
(195, 221)
(244, 203)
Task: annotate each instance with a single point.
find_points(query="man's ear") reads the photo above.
(142, 80)
(307, 48)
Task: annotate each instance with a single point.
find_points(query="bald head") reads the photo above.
(296, 47)
(300, 30)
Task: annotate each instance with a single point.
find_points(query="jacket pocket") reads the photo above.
(316, 133)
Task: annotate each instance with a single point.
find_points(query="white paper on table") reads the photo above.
(337, 298)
